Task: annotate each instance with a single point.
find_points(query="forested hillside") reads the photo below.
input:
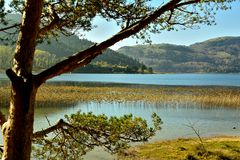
(214, 55)
(50, 52)
(47, 55)
(109, 62)
(42, 59)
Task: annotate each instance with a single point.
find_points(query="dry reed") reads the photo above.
(50, 94)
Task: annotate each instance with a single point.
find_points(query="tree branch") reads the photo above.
(187, 3)
(59, 125)
(53, 24)
(51, 129)
(10, 27)
(98, 137)
(76, 60)
(171, 14)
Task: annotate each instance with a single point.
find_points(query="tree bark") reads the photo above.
(18, 130)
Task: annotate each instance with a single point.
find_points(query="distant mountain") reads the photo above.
(109, 62)
(214, 55)
(67, 45)
(51, 51)
(48, 54)
(229, 45)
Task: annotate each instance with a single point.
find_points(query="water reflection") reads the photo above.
(210, 121)
(176, 116)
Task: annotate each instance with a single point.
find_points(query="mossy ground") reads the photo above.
(215, 148)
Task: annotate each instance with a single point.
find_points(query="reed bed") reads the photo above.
(50, 94)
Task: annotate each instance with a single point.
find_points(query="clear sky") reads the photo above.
(228, 24)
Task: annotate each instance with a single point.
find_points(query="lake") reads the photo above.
(176, 117)
(188, 79)
(210, 121)
(157, 79)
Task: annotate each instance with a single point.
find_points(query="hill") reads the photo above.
(42, 59)
(49, 54)
(51, 51)
(66, 46)
(215, 55)
(110, 61)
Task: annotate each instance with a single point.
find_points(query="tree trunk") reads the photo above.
(18, 130)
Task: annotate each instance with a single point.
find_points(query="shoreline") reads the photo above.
(112, 84)
(133, 153)
(117, 84)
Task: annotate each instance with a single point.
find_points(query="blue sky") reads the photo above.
(228, 24)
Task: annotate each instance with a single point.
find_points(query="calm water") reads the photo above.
(212, 121)
(209, 121)
(156, 79)
(176, 117)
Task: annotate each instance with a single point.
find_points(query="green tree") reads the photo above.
(143, 68)
(42, 19)
(150, 70)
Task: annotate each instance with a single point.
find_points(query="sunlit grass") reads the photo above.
(50, 94)
(227, 148)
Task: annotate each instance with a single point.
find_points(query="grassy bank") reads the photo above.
(219, 148)
(50, 94)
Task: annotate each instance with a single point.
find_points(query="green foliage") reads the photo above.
(215, 55)
(84, 131)
(184, 17)
(78, 15)
(107, 68)
(2, 11)
(61, 16)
